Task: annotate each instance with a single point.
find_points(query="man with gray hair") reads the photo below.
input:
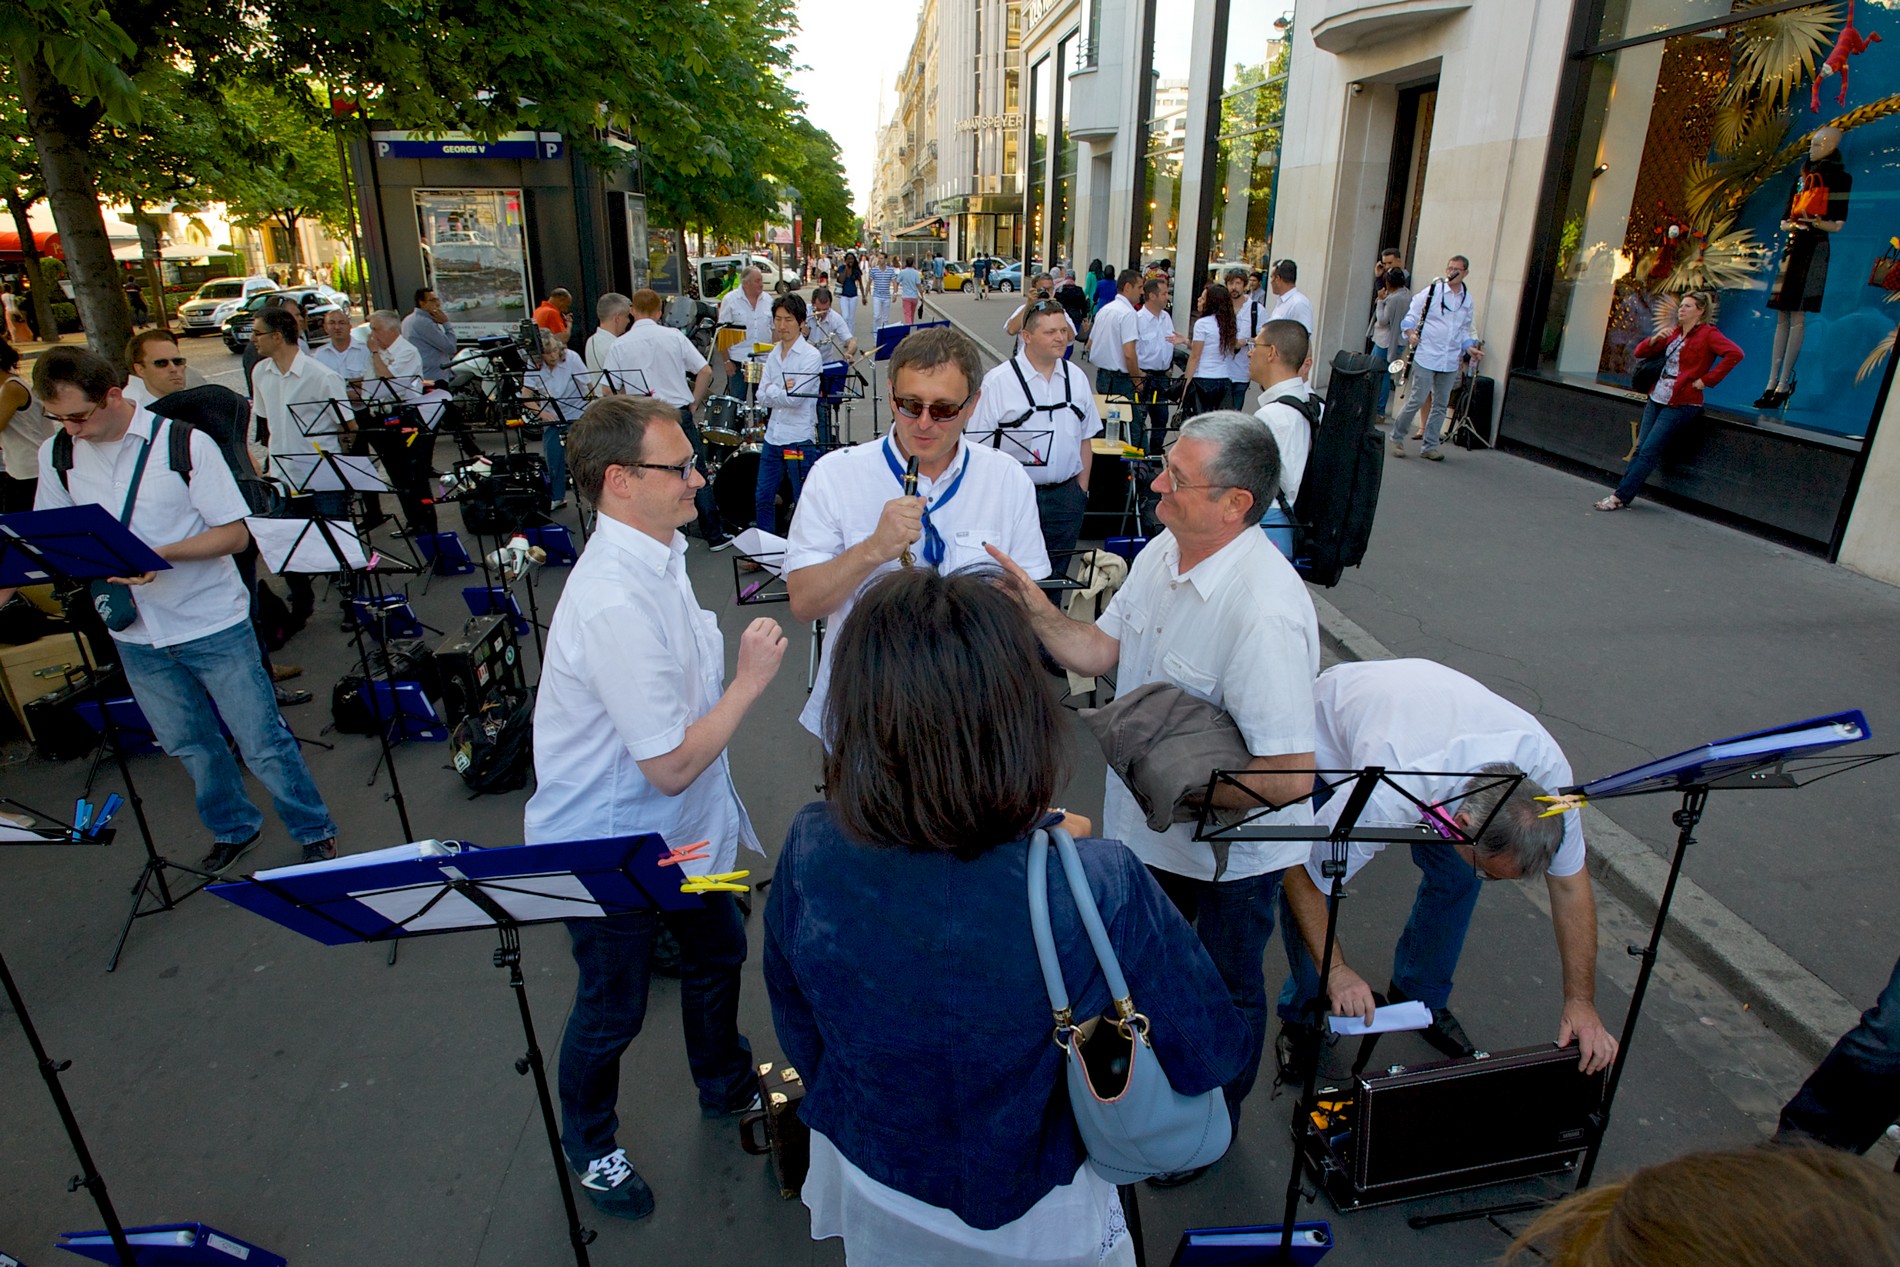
(614, 313)
(750, 308)
(1418, 715)
(1212, 609)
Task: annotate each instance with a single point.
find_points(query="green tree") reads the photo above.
(298, 174)
(21, 186)
(818, 175)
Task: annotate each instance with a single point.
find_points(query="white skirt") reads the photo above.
(1079, 1224)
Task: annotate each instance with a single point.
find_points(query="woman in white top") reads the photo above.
(1214, 352)
(553, 385)
(23, 428)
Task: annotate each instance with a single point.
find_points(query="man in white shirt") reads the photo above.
(1420, 715)
(1290, 410)
(1112, 339)
(1250, 313)
(1290, 302)
(789, 388)
(408, 446)
(189, 654)
(855, 521)
(340, 353)
(1037, 408)
(662, 362)
(1212, 609)
(747, 306)
(300, 406)
(1438, 330)
(614, 312)
(630, 731)
(427, 327)
(829, 332)
(1155, 339)
(1041, 286)
(157, 369)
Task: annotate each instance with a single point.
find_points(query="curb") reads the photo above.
(1791, 1001)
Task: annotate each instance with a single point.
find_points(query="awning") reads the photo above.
(47, 242)
(929, 229)
(131, 253)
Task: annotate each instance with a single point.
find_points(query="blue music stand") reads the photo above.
(557, 541)
(386, 616)
(438, 887)
(172, 1245)
(444, 553)
(495, 600)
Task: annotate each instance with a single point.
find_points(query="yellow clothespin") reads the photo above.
(1558, 804)
(722, 882)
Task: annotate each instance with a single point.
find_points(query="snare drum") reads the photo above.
(719, 423)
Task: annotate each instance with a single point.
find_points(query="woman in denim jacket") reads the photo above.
(902, 970)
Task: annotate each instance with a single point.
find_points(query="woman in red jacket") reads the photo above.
(1697, 357)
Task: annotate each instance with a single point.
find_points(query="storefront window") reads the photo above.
(1688, 165)
(1065, 147)
(1041, 101)
(1166, 116)
(1253, 104)
(1633, 19)
(475, 256)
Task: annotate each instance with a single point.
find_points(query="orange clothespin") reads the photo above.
(688, 853)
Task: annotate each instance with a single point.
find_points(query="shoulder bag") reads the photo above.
(1133, 1122)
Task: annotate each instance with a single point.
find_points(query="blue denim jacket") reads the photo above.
(905, 990)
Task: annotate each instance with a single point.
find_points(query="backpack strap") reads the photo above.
(178, 448)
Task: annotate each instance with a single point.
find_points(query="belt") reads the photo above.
(1057, 483)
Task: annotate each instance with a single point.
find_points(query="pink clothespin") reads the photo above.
(689, 853)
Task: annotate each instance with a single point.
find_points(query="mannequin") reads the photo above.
(1802, 279)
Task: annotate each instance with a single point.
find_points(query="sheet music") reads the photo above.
(297, 545)
(764, 548)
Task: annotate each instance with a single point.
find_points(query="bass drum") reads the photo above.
(736, 490)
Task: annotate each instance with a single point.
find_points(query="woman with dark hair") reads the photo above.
(1696, 356)
(1105, 289)
(902, 969)
(1089, 280)
(1215, 354)
(850, 276)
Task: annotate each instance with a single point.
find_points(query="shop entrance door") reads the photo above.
(1405, 178)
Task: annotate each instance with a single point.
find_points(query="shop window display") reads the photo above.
(1758, 162)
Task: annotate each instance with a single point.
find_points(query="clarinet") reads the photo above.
(910, 490)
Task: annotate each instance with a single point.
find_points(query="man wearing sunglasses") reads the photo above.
(1420, 715)
(631, 724)
(856, 521)
(158, 367)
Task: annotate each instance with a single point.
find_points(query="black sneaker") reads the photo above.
(1178, 1178)
(616, 1188)
(320, 850)
(226, 852)
(720, 542)
(749, 1102)
(1444, 1033)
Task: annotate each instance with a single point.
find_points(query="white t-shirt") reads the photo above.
(844, 495)
(632, 661)
(1291, 431)
(1238, 631)
(29, 428)
(1216, 362)
(1114, 327)
(293, 401)
(794, 409)
(735, 309)
(665, 359)
(597, 344)
(1420, 715)
(188, 600)
(1062, 403)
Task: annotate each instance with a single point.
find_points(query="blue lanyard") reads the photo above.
(933, 540)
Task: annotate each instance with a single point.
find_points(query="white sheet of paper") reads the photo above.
(294, 545)
(1386, 1020)
(768, 549)
(394, 853)
(9, 832)
(527, 898)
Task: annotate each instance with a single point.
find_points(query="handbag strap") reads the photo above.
(1091, 917)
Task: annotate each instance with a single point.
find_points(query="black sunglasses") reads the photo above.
(941, 411)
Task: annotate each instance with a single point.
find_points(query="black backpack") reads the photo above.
(1339, 493)
(493, 748)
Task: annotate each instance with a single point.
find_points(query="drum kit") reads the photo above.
(733, 428)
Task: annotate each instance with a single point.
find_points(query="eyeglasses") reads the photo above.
(74, 419)
(1171, 482)
(684, 470)
(940, 411)
(166, 362)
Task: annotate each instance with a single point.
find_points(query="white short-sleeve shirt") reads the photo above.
(1113, 329)
(830, 334)
(350, 365)
(844, 495)
(664, 358)
(1152, 349)
(736, 310)
(188, 600)
(1420, 715)
(293, 402)
(1237, 630)
(1216, 362)
(633, 660)
(1291, 431)
(597, 344)
(1295, 306)
(1061, 403)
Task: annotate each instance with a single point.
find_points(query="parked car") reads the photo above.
(207, 310)
(957, 275)
(1005, 276)
(711, 270)
(317, 302)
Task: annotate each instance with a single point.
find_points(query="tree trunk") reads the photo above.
(39, 292)
(61, 131)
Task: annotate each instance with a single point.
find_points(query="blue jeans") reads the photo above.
(1428, 949)
(780, 462)
(184, 690)
(1381, 358)
(554, 448)
(1854, 1094)
(615, 958)
(1659, 424)
(1234, 920)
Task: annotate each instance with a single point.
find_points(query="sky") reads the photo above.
(846, 49)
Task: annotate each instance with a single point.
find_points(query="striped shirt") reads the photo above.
(881, 279)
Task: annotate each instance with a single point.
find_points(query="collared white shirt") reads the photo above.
(1238, 631)
(405, 372)
(756, 318)
(664, 357)
(1152, 349)
(1294, 306)
(597, 344)
(632, 661)
(1250, 314)
(557, 384)
(844, 495)
(1291, 431)
(829, 334)
(1052, 403)
(1114, 327)
(794, 409)
(1445, 331)
(291, 400)
(434, 342)
(1420, 715)
(351, 364)
(191, 599)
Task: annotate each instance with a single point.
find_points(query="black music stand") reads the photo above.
(1782, 757)
(68, 546)
(597, 383)
(432, 887)
(1221, 828)
(1027, 445)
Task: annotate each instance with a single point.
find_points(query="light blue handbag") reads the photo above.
(1133, 1122)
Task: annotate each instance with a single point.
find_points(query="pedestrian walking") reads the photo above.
(1438, 329)
(883, 281)
(850, 279)
(910, 290)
